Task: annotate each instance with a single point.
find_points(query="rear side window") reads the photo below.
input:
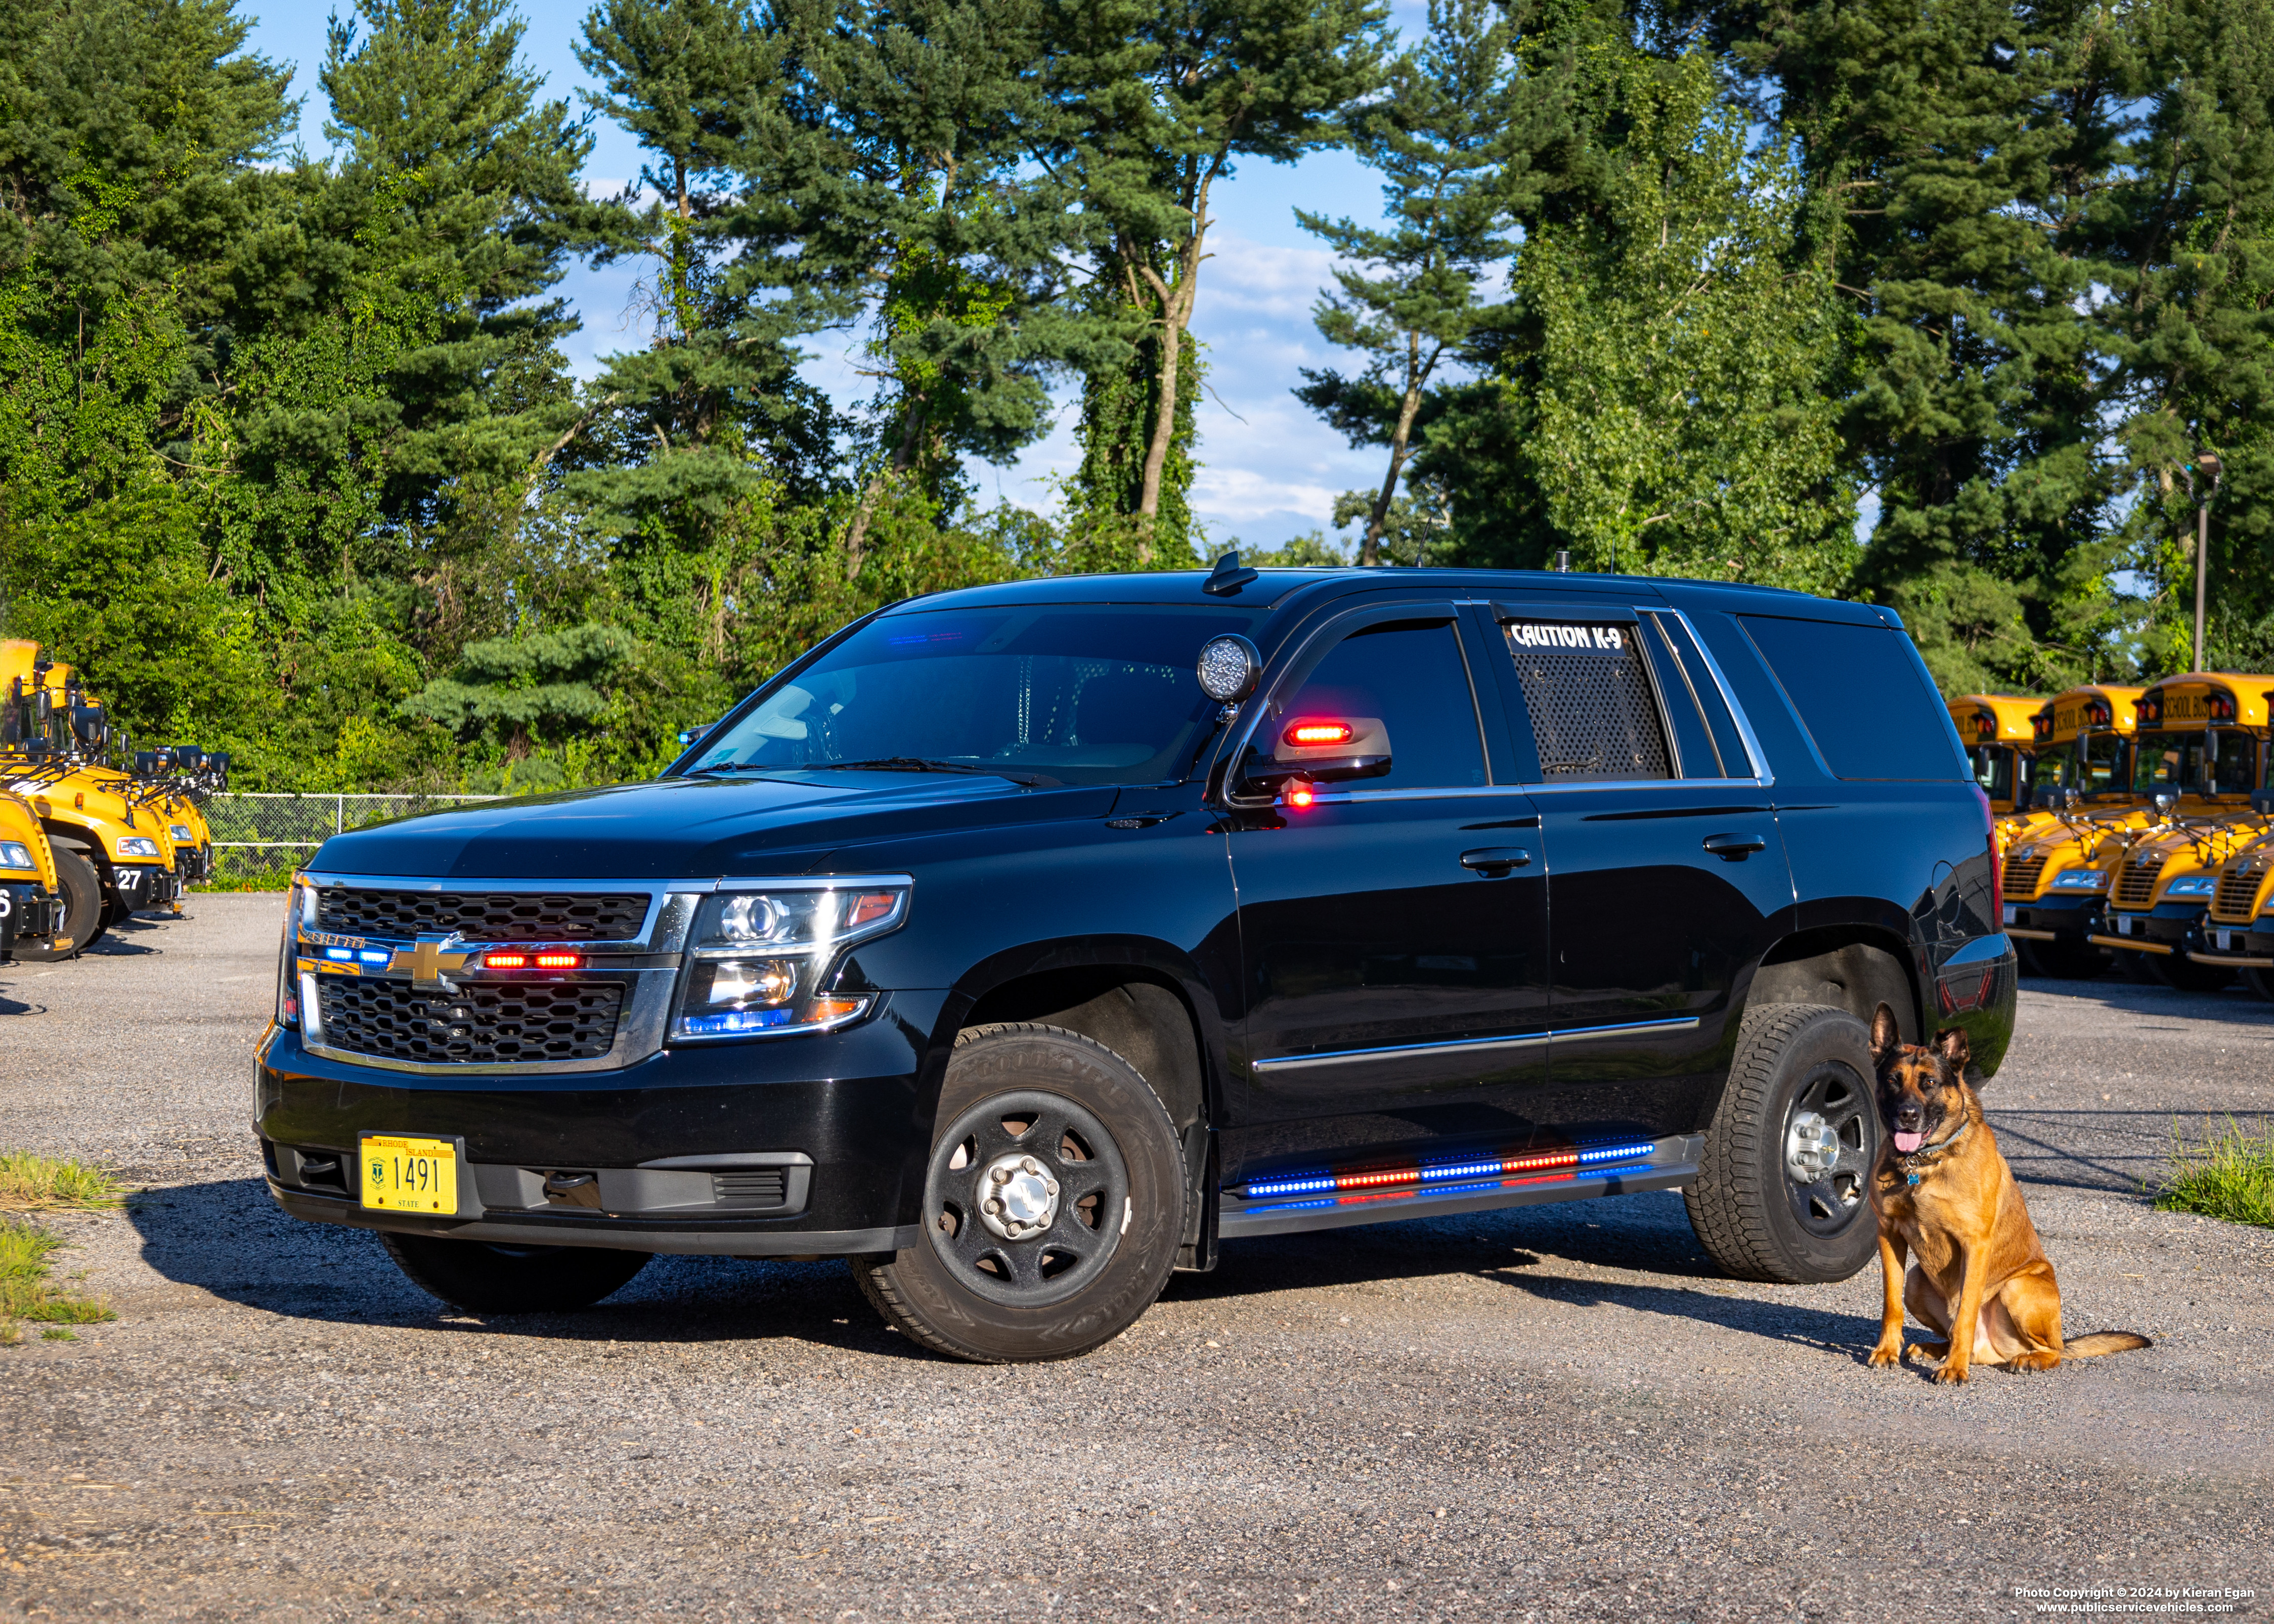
(1729, 752)
(1594, 715)
(1859, 692)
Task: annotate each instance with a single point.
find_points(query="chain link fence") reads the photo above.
(257, 833)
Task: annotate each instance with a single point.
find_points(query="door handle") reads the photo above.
(1495, 860)
(1734, 848)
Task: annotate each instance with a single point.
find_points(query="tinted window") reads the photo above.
(2091, 765)
(1412, 681)
(2181, 761)
(1729, 743)
(1860, 693)
(1081, 694)
(1592, 712)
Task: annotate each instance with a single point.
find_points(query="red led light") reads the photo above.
(1309, 733)
(558, 961)
(505, 961)
(1300, 794)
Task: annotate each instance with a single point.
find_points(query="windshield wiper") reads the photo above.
(732, 767)
(925, 763)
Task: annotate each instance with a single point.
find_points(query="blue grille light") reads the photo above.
(734, 1020)
(375, 956)
(339, 954)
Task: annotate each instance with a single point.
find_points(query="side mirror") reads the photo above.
(1322, 749)
(2164, 800)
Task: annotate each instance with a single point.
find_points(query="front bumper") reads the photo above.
(2070, 920)
(144, 886)
(29, 913)
(830, 1131)
(2166, 929)
(2239, 947)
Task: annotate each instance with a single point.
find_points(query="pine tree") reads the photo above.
(1452, 133)
(1153, 101)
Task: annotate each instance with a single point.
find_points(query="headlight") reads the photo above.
(15, 854)
(760, 958)
(138, 846)
(181, 833)
(2199, 885)
(2082, 879)
(299, 909)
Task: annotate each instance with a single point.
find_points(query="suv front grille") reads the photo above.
(2135, 882)
(481, 916)
(2238, 894)
(2022, 879)
(479, 1024)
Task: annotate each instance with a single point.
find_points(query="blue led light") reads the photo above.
(1462, 1170)
(1288, 1186)
(732, 1021)
(341, 954)
(375, 955)
(1616, 1152)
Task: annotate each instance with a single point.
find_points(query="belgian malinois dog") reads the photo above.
(1943, 1194)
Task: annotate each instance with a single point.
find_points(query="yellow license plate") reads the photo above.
(401, 1174)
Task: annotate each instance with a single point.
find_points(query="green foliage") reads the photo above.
(2229, 1175)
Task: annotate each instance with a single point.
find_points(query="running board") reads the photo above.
(1290, 1204)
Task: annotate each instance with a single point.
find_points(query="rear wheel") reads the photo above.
(1782, 1194)
(2184, 974)
(1054, 1203)
(83, 911)
(483, 1278)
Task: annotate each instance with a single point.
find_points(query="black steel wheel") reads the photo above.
(1782, 1193)
(83, 920)
(1054, 1202)
(483, 1278)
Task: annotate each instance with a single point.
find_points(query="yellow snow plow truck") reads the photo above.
(2200, 757)
(2081, 807)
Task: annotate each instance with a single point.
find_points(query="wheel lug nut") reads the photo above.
(1002, 1176)
(994, 1206)
(1050, 1186)
(1029, 1164)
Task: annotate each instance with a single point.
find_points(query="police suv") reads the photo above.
(1023, 944)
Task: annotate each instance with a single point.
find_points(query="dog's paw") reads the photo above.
(2031, 1362)
(1884, 1355)
(1951, 1374)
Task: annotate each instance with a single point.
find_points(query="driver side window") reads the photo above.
(1403, 681)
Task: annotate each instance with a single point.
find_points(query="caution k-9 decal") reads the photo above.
(1563, 635)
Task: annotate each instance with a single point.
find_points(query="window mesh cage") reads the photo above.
(1594, 715)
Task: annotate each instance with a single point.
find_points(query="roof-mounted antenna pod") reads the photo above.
(1228, 576)
(1562, 562)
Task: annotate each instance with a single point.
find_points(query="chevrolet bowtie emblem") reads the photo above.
(430, 960)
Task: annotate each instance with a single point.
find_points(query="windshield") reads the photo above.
(2180, 763)
(1993, 769)
(1080, 693)
(2094, 765)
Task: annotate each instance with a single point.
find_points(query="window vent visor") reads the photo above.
(1593, 714)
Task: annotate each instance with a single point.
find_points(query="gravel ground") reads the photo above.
(1555, 1412)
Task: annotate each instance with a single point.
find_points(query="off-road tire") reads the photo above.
(486, 1279)
(922, 1291)
(83, 910)
(1740, 1206)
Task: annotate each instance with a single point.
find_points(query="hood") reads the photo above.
(686, 828)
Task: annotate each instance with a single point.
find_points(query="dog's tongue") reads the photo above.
(1909, 1142)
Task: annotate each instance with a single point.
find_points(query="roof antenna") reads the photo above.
(1228, 576)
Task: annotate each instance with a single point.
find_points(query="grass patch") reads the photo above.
(2229, 1175)
(26, 1293)
(30, 1184)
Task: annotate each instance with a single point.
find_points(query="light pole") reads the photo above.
(2211, 465)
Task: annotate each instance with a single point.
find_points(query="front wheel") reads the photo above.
(1054, 1202)
(2182, 973)
(1782, 1194)
(2261, 983)
(83, 918)
(2066, 961)
(486, 1279)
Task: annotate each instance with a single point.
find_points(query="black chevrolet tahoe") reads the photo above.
(1023, 944)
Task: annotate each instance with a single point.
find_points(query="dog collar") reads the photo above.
(1926, 1156)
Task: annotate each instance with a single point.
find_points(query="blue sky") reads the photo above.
(1270, 470)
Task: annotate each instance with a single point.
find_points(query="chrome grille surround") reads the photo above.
(644, 967)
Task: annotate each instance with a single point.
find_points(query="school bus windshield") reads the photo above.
(2180, 763)
(1993, 769)
(2094, 765)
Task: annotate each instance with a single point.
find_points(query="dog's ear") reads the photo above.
(1951, 1046)
(1885, 1033)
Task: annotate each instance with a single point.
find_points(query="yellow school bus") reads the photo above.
(2000, 738)
(2081, 807)
(2199, 754)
